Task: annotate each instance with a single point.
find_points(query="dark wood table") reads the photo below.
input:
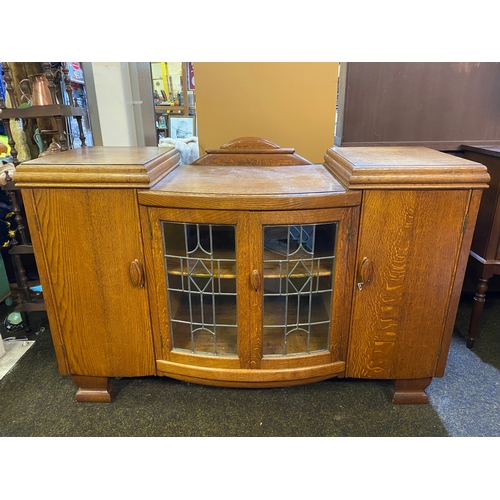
(485, 248)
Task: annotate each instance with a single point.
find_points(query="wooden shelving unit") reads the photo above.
(166, 109)
(20, 246)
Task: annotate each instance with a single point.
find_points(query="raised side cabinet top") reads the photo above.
(99, 167)
(403, 167)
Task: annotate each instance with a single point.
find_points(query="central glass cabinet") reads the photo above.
(246, 298)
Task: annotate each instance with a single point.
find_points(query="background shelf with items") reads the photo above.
(43, 110)
(174, 96)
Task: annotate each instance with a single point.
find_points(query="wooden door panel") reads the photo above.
(398, 317)
(88, 240)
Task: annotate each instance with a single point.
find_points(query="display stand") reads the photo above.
(27, 299)
(57, 111)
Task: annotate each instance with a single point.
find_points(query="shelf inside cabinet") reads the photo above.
(221, 269)
(227, 269)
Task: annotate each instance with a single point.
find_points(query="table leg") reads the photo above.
(80, 129)
(10, 140)
(62, 137)
(477, 311)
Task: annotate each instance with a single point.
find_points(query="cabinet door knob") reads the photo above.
(136, 274)
(255, 280)
(365, 272)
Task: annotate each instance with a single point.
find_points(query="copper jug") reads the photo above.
(39, 86)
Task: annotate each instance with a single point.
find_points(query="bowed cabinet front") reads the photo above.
(252, 299)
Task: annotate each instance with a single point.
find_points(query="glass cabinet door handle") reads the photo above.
(136, 274)
(255, 280)
(365, 273)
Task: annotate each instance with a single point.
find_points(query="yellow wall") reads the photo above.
(291, 104)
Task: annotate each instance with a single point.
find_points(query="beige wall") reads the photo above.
(291, 104)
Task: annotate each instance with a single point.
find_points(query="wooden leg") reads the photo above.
(60, 129)
(26, 321)
(411, 391)
(477, 311)
(93, 389)
(10, 140)
(80, 128)
(21, 278)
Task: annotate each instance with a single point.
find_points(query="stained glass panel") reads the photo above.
(200, 262)
(299, 264)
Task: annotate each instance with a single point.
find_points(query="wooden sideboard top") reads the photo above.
(245, 180)
(101, 155)
(249, 188)
(98, 166)
(249, 173)
(394, 167)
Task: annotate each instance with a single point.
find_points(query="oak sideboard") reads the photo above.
(252, 267)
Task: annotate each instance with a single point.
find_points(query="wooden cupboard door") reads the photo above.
(199, 259)
(304, 264)
(89, 254)
(409, 243)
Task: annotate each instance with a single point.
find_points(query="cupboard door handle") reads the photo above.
(365, 273)
(136, 274)
(255, 280)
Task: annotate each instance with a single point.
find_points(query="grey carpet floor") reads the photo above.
(36, 401)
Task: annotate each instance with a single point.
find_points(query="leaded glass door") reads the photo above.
(201, 273)
(303, 262)
(299, 265)
(200, 265)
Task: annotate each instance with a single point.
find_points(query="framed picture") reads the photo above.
(181, 127)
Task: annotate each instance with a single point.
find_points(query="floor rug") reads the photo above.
(14, 351)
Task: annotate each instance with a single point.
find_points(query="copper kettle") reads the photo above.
(38, 85)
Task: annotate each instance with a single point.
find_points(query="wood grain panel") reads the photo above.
(156, 281)
(89, 239)
(403, 168)
(436, 104)
(475, 199)
(99, 167)
(242, 378)
(44, 273)
(398, 318)
(238, 180)
(298, 201)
